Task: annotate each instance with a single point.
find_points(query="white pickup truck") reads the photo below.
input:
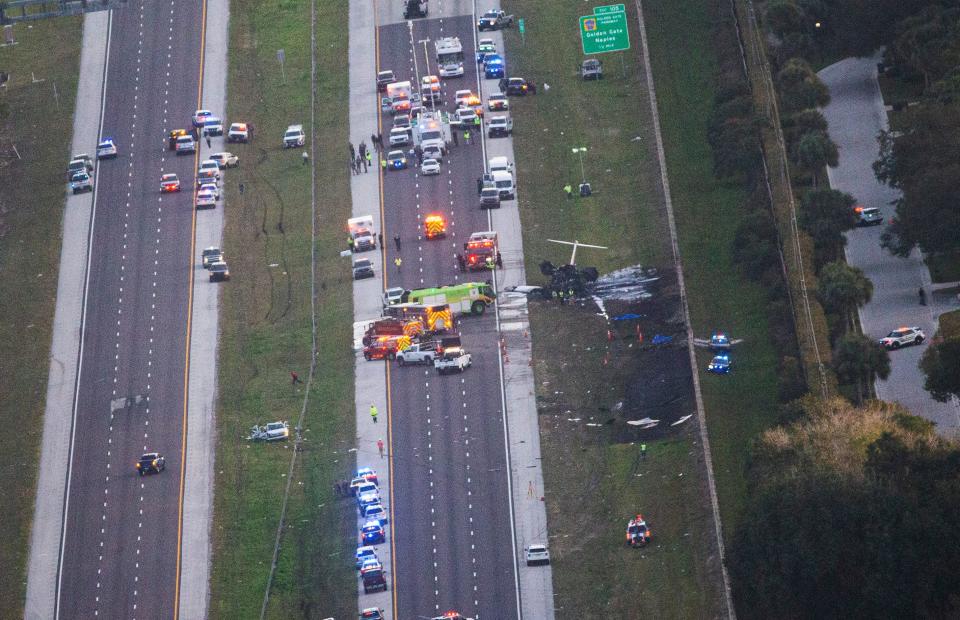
(454, 359)
(421, 353)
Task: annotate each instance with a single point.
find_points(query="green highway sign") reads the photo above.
(521, 25)
(605, 31)
(612, 8)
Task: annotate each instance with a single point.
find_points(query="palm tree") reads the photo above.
(858, 359)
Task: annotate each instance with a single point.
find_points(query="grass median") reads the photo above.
(266, 328)
(36, 124)
(589, 477)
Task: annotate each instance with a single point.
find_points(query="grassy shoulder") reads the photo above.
(590, 478)
(37, 125)
(744, 403)
(266, 330)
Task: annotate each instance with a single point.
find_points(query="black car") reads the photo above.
(413, 9)
(219, 272)
(362, 268)
(384, 78)
(151, 463)
(515, 86)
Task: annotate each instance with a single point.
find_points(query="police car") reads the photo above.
(372, 533)
(396, 160)
(484, 47)
(493, 66)
(375, 512)
(81, 182)
(367, 473)
(200, 116)
(169, 183)
(151, 463)
(720, 364)
(364, 553)
(207, 196)
(498, 102)
(902, 337)
(107, 149)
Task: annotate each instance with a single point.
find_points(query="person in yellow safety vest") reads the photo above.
(476, 122)
(398, 261)
(490, 263)
(383, 164)
(350, 242)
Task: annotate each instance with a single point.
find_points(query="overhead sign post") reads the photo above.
(605, 31)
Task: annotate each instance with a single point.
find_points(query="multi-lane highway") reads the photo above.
(119, 555)
(453, 546)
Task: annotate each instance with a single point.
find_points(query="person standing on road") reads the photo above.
(208, 141)
(373, 412)
(373, 141)
(923, 296)
(350, 243)
(396, 242)
(380, 447)
(476, 123)
(461, 263)
(466, 136)
(380, 239)
(456, 140)
(499, 260)
(353, 152)
(368, 161)
(359, 163)
(398, 262)
(363, 149)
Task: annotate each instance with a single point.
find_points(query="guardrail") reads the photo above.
(31, 10)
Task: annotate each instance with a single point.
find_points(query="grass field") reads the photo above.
(265, 328)
(588, 478)
(742, 404)
(38, 126)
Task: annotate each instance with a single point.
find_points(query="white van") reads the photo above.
(504, 182)
(495, 164)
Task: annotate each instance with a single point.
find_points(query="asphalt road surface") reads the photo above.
(120, 550)
(452, 530)
(856, 115)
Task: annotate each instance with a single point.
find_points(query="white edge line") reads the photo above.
(503, 387)
(83, 324)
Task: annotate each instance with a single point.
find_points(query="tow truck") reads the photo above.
(453, 359)
(435, 226)
(494, 19)
(173, 136)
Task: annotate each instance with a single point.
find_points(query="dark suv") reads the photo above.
(151, 463)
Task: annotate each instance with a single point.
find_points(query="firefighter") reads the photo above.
(461, 263)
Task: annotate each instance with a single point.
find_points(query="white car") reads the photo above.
(107, 149)
(392, 296)
(537, 554)
(466, 116)
(207, 196)
(498, 102)
(399, 136)
(239, 132)
(226, 160)
(902, 337)
(211, 165)
(212, 126)
(430, 167)
(200, 116)
(185, 144)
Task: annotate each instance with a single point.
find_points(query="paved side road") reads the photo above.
(48, 509)
(856, 115)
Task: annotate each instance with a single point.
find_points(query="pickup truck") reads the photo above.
(454, 359)
(421, 353)
(494, 19)
(293, 137)
(499, 127)
(79, 163)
